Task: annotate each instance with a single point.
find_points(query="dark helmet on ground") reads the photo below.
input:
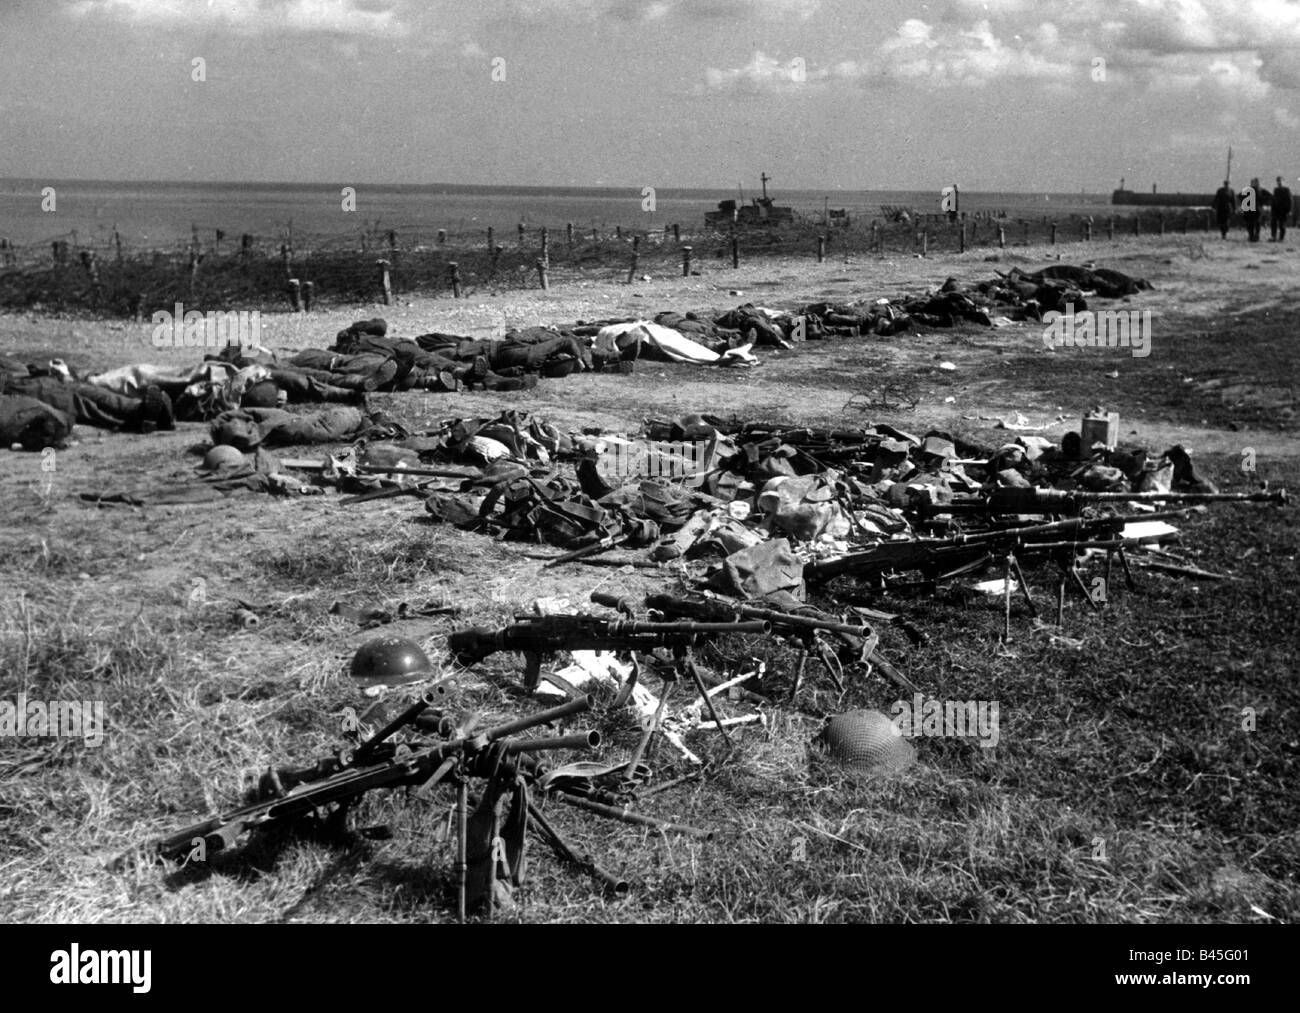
(866, 741)
(390, 661)
(222, 456)
(263, 394)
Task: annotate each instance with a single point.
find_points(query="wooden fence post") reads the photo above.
(1053, 233)
(541, 274)
(89, 262)
(453, 274)
(686, 261)
(546, 246)
(295, 295)
(735, 250)
(821, 249)
(385, 283)
(631, 271)
(308, 290)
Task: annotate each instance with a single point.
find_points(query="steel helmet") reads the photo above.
(868, 741)
(222, 456)
(390, 661)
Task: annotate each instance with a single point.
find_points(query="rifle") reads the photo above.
(944, 558)
(1011, 500)
(345, 777)
(801, 627)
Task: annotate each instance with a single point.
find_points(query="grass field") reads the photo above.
(1124, 787)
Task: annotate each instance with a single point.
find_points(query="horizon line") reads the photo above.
(518, 186)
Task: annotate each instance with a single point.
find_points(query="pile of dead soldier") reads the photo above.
(40, 402)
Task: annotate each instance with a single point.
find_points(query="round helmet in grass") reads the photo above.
(390, 661)
(222, 456)
(866, 741)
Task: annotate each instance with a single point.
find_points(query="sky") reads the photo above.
(1022, 95)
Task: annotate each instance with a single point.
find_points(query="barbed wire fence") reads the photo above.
(287, 269)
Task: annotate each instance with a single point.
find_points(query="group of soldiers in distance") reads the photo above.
(1251, 202)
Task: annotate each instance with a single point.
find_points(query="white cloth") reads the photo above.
(672, 344)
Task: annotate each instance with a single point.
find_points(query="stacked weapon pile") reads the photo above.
(767, 531)
(765, 512)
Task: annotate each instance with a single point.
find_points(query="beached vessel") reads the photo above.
(759, 211)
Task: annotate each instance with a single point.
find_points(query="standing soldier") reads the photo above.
(1281, 212)
(1223, 202)
(1251, 201)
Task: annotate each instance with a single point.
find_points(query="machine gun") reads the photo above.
(290, 795)
(538, 636)
(939, 559)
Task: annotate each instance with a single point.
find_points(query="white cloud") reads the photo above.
(348, 17)
(765, 73)
(1222, 45)
(975, 56)
(657, 10)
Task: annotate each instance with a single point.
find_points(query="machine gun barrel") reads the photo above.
(621, 627)
(578, 740)
(427, 700)
(580, 705)
(671, 605)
